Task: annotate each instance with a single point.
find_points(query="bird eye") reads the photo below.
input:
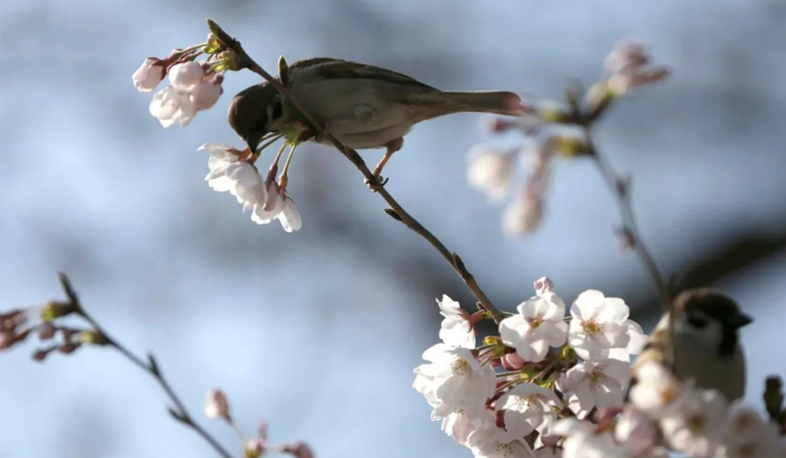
(697, 322)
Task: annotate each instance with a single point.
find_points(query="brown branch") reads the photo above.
(395, 210)
(179, 411)
(620, 188)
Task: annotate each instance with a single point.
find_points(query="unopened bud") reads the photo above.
(491, 340)
(46, 331)
(253, 448)
(56, 309)
(513, 362)
(40, 355)
(551, 112)
(298, 450)
(543, 285)
(216, 404)
(213, 44)
(68, 348)
(93, 337)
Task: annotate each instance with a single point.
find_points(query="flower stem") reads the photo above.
(284, 180)
(395, 210)
(151, 367)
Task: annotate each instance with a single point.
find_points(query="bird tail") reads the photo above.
(496, 102)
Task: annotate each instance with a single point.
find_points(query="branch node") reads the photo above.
(394, 214)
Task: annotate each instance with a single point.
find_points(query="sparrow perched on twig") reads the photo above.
(363, 106)
(706, 342)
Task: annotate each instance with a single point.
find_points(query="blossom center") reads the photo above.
(535, 322)
(696, 422)
(460, 366)
(591, 327)
(505, 449)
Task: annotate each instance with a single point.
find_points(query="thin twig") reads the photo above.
(179, 411)
(620, 188)
(245, 61)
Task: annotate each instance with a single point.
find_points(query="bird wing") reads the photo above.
(329, 68)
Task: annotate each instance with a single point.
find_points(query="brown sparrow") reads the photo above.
(706, 342)
(363, 106)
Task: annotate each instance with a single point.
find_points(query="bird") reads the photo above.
(707, 346)
(363, 106)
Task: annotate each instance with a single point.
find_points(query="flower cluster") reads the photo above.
(233, 171)
(194, 86)
(553, 131)
(666, 415)
(43, 322)
(554, 366)
(216, 406)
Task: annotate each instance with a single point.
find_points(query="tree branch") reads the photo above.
(396, 210)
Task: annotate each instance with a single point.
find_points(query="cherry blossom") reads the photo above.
(490, 171)
(186, 75)
(528, 407)
(148, 75)
(523, 215)
(494, 442)
(595, 384)
(635, 430)
(216, 404)
(655, 391)
(749, 435)
(456, 329)
(229, 173)
(696, 427)
(172, 106)
(537, 326)
(278, 206)
(599, 324)
(453, 380)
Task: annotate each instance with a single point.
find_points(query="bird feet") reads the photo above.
(376, 183)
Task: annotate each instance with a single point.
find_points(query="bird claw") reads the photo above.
(377, 183)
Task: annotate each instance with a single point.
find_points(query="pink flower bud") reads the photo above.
(205, 95)
(543, 285)
(216, 404)
(148, 75)
(46, 331)
(298, 450)
(40, 355)
(186, 75)
(513, 362)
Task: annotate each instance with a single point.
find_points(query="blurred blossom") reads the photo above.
(216, 404)
(635, 430)
(523, 215)
(655, 390)
(298, 450)
(750, 436)
(695, 427)
(490, 171)
(628, 67)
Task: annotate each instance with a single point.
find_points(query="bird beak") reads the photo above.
(741, 320)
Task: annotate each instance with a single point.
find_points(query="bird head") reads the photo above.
(711, 318)
(255, 112)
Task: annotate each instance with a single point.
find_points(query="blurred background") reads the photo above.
(317, 332)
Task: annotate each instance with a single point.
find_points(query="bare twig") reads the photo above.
(620, 188)
(151, 367)
(395, 210)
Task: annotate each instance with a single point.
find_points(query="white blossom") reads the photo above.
(229, 173)
(656, 390)
(599, 324)
(528, 407)
(538, 325)
(206, 94)
(595, 384)
(459, 426)
(172, 106)
(278, 206)
(453, 380)
(748, 435)
(523, 215)
(548, 452)
(544, 285)
(490, 171)
(581, 442)
(494, 442)
(635, 430)
(455, 330)
(148, 75)
(186, 75)
(696, 427)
